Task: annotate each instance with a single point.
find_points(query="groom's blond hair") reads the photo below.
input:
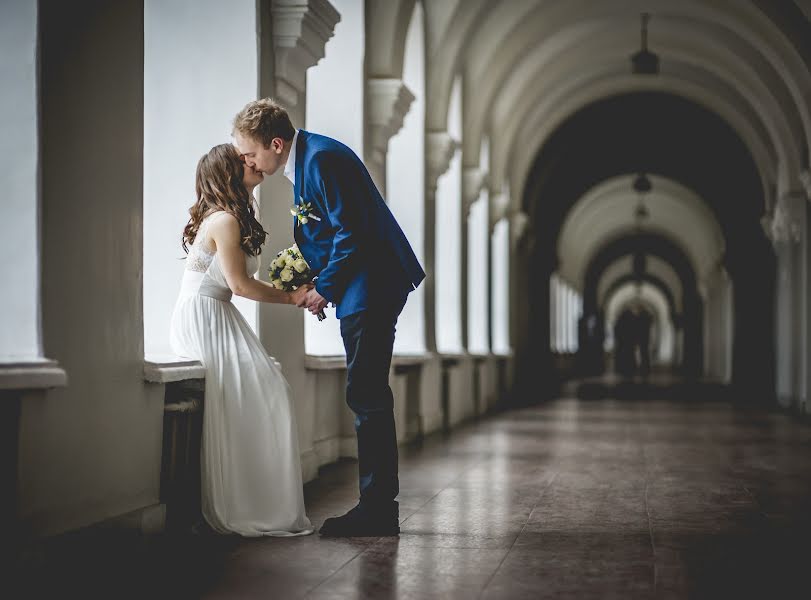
(263, 120)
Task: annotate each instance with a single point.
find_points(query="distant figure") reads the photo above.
(624, 344)
(632, 333)
(642, 329)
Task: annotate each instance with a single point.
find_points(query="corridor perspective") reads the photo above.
(572, 499)
(601, 387)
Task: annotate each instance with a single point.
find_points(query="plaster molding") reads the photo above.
(474, 180)
(35, 374)
(519, 224)
(301, 29)
(389, 101)
(788, 218)
(805, 179)
(439, 150)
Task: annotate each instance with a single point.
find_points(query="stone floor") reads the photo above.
(570, 499)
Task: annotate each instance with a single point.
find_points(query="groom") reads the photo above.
(365, 267)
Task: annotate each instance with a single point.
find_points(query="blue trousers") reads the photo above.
(369, 340)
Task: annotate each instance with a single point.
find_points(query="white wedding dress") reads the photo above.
(250, 466)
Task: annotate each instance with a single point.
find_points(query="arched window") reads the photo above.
(19, 152)
(200, 68)
(565, 308)
(335, 109)
(405, 181)
(560, 317)
(500, 302)
(449, 239)
(553, 313)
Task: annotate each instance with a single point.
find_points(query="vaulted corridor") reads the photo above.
(573, 498)
(600, 389)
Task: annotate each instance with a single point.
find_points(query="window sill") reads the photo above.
(169, 369)
(40, 374)
(337, 363)
(324, 363)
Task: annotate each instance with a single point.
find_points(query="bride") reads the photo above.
(250, 467)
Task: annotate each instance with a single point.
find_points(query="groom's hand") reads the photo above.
(299, 296)
(315, 302)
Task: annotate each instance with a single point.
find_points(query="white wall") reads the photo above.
(200, 68)
(500, 297)
(405, 182)
(448, 256)
(91, 450)
(19, 183)
(335, 108)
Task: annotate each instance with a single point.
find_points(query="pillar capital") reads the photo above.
(787, 221)
(805, 179)
(519, 224)
(301, 29)
(499, 209)
(474, 181)
(388, 101)
(439, 150)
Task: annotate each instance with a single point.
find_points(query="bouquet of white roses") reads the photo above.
(289, 270)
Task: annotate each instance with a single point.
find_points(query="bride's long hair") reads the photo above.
(219, 186)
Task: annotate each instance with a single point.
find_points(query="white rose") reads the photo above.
(300, 265)
(277, 283)
(289, 260)
(286, 274)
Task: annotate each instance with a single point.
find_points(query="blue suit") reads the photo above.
(366, 267)
(357, 249)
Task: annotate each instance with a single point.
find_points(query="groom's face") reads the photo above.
(256, 156)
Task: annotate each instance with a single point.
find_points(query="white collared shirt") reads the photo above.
(290, 165)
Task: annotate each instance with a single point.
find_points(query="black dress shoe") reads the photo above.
(359, 523)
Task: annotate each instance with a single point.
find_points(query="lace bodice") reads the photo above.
(203, 274)
(200, 255)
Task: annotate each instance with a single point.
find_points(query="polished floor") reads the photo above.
(569, 499)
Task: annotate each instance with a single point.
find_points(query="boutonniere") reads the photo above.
(303, 212)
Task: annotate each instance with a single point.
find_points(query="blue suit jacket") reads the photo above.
(357, 249)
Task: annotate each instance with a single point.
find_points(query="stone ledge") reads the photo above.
(37, 374)
(407, 360)
(324, 363)
(169, 369)
(337, 363)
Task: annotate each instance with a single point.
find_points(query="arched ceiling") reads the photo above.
(664, 136)
(654, 301)
(659, 270)
(628, 294)
(530, 64)
(606, 212)
(654, 246)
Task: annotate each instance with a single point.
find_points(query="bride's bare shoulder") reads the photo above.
(223, 228)
(221, 219)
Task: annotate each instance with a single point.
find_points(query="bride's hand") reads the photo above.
(297, 297)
